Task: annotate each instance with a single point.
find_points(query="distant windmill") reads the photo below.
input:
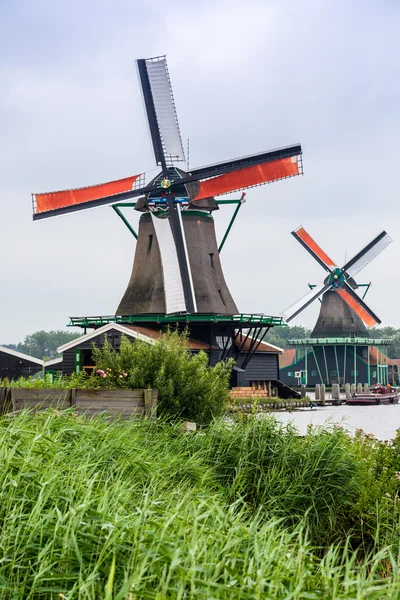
(176, 267)
(343, 312)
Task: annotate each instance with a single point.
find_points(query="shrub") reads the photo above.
(187, 386)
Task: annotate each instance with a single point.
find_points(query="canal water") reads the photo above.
(382, 420)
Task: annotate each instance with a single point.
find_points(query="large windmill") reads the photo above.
(177, 274)
(344, 316)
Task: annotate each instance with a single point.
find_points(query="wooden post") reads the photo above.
(366, 388)
(336, 393)
(318, 391)
(359, 388)
(323, 394)
(150, 402)
(347, 390)
(352, 389)
(4, 394)
(303, 391)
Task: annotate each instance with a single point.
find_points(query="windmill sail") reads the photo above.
(52, 203)
(174, 294)
(291, 312)
(312, 247)
(359, 306)
(360, 260)
(249, 177)
(160, 108)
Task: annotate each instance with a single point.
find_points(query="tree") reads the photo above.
(279, 336)
(44, 343)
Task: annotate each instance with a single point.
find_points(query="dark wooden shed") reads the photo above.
(15, 364)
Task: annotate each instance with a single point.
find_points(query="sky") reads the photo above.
(247, 77)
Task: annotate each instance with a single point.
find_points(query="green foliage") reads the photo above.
(76, 380)
(279, 336)
(187, 386)
(393, 350)
(311, 478)
(93, 509)
(43, 343)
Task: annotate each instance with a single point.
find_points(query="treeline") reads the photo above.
(43, 344)
(279, 336)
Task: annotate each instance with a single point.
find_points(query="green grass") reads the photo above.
(93, 509)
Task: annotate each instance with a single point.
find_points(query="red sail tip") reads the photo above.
(249, 177)
(358, 309)
(62, 199)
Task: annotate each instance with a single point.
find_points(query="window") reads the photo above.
(354, 372)
(290, 373)
(211, 260)
(314, 373)
(150, 243)
(333, 373)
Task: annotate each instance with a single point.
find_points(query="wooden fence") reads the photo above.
(119, 402)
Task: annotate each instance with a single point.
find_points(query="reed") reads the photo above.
(93, 509)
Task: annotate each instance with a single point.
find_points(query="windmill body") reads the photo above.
(177, 276)
(341, 349)
(337, 319)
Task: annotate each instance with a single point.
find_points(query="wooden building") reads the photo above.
(261, 369)
(338, 360)
(14, 365)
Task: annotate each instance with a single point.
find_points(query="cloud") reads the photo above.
(246, 77)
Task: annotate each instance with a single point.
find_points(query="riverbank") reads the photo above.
(137, 509)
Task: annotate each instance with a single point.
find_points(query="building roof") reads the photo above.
(155, 334)
(53, 361)
(21, 355)
(95, 332)
(263, 346)
(146, 334)
(287, 357)
(376, 356)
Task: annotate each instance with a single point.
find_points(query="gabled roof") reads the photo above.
(146, 334)
(263, 347)
(287, 357)
(53, 361)
(116, 326)
(21, 355)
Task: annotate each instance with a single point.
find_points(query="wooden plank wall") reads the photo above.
(118, 402)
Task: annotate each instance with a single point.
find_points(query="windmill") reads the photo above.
(342, 311)
(340, 349)
(176, 267)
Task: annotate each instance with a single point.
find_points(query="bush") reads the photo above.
(187, 386)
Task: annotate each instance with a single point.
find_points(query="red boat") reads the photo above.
(378, 394)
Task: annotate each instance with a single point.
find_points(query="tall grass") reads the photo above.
(93, 509)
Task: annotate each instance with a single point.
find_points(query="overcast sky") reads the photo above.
(247, 77)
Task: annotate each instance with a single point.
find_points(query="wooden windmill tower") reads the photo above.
(340, 340)
(177, 275)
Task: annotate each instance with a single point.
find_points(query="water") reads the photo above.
(381, 420)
